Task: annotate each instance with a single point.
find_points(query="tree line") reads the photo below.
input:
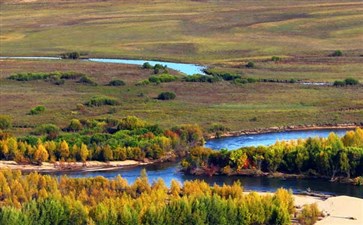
(324, 157)
(102, 140)
(43, 199)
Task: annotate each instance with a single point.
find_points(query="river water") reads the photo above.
(170, 171)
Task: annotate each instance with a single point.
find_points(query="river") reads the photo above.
(170, 171)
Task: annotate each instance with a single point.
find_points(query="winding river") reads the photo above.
(170, 171)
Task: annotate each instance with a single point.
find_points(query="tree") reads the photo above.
(107, 153)
(40, 154)
(83, 152)
(64, 150)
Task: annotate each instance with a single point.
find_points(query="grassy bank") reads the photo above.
(237, 107)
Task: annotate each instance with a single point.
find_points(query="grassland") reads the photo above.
(192, 31)
(224, 35)
(238, 107)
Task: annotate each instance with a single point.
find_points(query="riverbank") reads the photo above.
(279, 175)
(89, 166)
(285, 129)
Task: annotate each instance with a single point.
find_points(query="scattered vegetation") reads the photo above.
(101, 100)
(218, 129)
(86, 80)
(201, 78)
(162, 78)
(56, 78)
(337, 53)
(309, 214)
(37, 110)
(51, 130)
(158, 68)
(275, 58)
(71, 55)
(166, 95)
(5, 122)
(250, 65)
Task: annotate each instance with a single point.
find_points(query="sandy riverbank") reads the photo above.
(339, 210)
(70, 166)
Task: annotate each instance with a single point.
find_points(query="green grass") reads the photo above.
(234, 106)
(190, 31)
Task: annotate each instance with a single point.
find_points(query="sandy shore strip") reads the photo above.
(70, 166)
(339, 210)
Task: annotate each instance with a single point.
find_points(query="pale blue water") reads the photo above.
(188, 69)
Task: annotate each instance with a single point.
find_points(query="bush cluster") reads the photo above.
(116, 83)
(37, 110)
(347, 81)
(166, 95)
(162, 78)
(101, 100)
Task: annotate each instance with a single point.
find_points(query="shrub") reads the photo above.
(275, 58)
(358, 181)
(201, 78)
(116, 83)
(250, 65)
(147, 65)
(36, 110)
(71, 55)
(309, 214)
(5, 122)
(75, 125)
(71, 75)
(166, 95)
(100, 100)
(29, 76)
(142, 83)
(351, 81)
(86, 80)
(339, 83)
(337, 53)
(51, 130)
(52, 76)
(348, 81)
(162, 78)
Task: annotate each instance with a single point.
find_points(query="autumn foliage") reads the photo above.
(43, 199)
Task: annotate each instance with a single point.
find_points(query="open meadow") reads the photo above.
(236, 106)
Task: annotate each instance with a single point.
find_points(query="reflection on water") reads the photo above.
(170, 171)
(268, 139)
